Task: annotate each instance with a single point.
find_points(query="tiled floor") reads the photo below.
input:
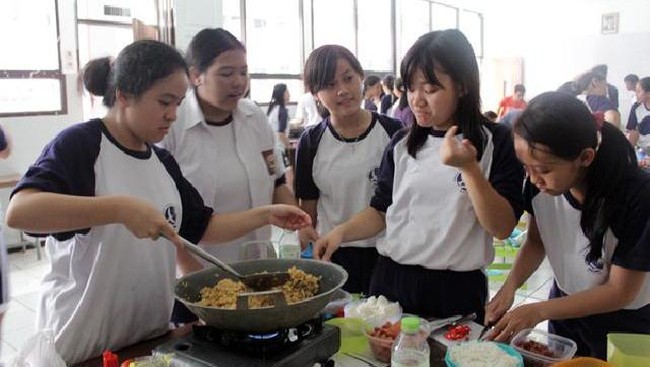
(26, 271)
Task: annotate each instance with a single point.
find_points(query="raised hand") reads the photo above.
(325, 246)
(288, 217)
(456, 153)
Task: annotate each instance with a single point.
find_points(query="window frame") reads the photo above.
(42, 74)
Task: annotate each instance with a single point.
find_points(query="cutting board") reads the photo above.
(439, 335)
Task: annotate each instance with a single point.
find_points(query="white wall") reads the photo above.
(560, 39)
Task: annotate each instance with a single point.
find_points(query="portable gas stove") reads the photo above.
(304, 345)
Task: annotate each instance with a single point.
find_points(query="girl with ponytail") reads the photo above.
(589, 206)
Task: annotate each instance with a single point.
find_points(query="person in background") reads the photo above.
(441, 197)
(509, 118)
(490, 115)
(111, 202)
(401, 109)
(515, 101)
(630, 84)
(372, 93)
(217, 128)
(337, 159)
(279, 119)
(387, 101)
(589, 207)
(306, 112)
(638, 125)
(592, 88)
(611, 91)
(5, 151)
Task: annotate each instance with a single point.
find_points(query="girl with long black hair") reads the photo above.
(445, 188)
(589, 205)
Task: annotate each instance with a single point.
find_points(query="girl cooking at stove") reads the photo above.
(589, 205)
(337, 159)
(441, 196)
(106, 196)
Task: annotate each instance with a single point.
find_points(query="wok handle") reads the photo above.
(198, 251)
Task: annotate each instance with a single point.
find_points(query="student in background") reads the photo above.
(638, 124)
(306, 111)
(630, 84)
(279, 118)
(401, 109)
(337, 159)
(441, 197)
(611, 91)
(110, 202)
(515, 101)
(592, 87)
(589, 207)
(490, 115)
(387, 101)
(372, 93)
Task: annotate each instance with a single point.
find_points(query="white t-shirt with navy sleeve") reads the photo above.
(106, 289)
(341, 173)
(626, 242)
(640, 120)
(430, 219)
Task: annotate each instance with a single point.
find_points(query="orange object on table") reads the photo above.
(110, 359)
(583, 362)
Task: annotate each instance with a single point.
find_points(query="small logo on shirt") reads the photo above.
(170, 215)
(461, 184)
(269, 159)
(596, 266)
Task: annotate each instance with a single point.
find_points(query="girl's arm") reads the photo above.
(633, 137)
(36, 211)
(229, 226)
(282, 195)
(365, 224)
(621, 288)
(309, 234)
(528, 259)
(493, 211)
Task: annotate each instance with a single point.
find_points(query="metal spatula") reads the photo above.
(258, 282)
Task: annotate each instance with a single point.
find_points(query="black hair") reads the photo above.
(137, 67)
(566, 126)
(491, 115)
(320, 69)
(600, 69)
(277, 96)
(449, 52)
(388, 81)
(583, 81)
(631, 78)
(520, 88)
(95, 73)
(207, 45)
(645, 83)
(370, 81)
(568, 88)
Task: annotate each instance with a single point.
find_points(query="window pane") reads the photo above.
(100, 40)
(443, 17)
(470, 25)
(30, 95)
(232, 17)
(414, 23)
(261, 89)
(273, 36)
(375, 49)
(334, 23)
(28, 36)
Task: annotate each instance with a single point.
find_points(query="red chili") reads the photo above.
(457, 332)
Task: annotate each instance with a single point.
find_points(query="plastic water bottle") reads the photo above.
(410, 348)
(289, 245)
(641, 156)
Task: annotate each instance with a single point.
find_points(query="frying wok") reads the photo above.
(188, 290)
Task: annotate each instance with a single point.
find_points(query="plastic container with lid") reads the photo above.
(628, 350)
(535, 344)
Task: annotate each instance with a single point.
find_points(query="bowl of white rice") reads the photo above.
(483, 354)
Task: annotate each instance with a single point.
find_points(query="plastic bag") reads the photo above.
(38, 351)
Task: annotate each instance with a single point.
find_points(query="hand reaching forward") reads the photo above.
(288, 217)
(457, 153)
(325, 246)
